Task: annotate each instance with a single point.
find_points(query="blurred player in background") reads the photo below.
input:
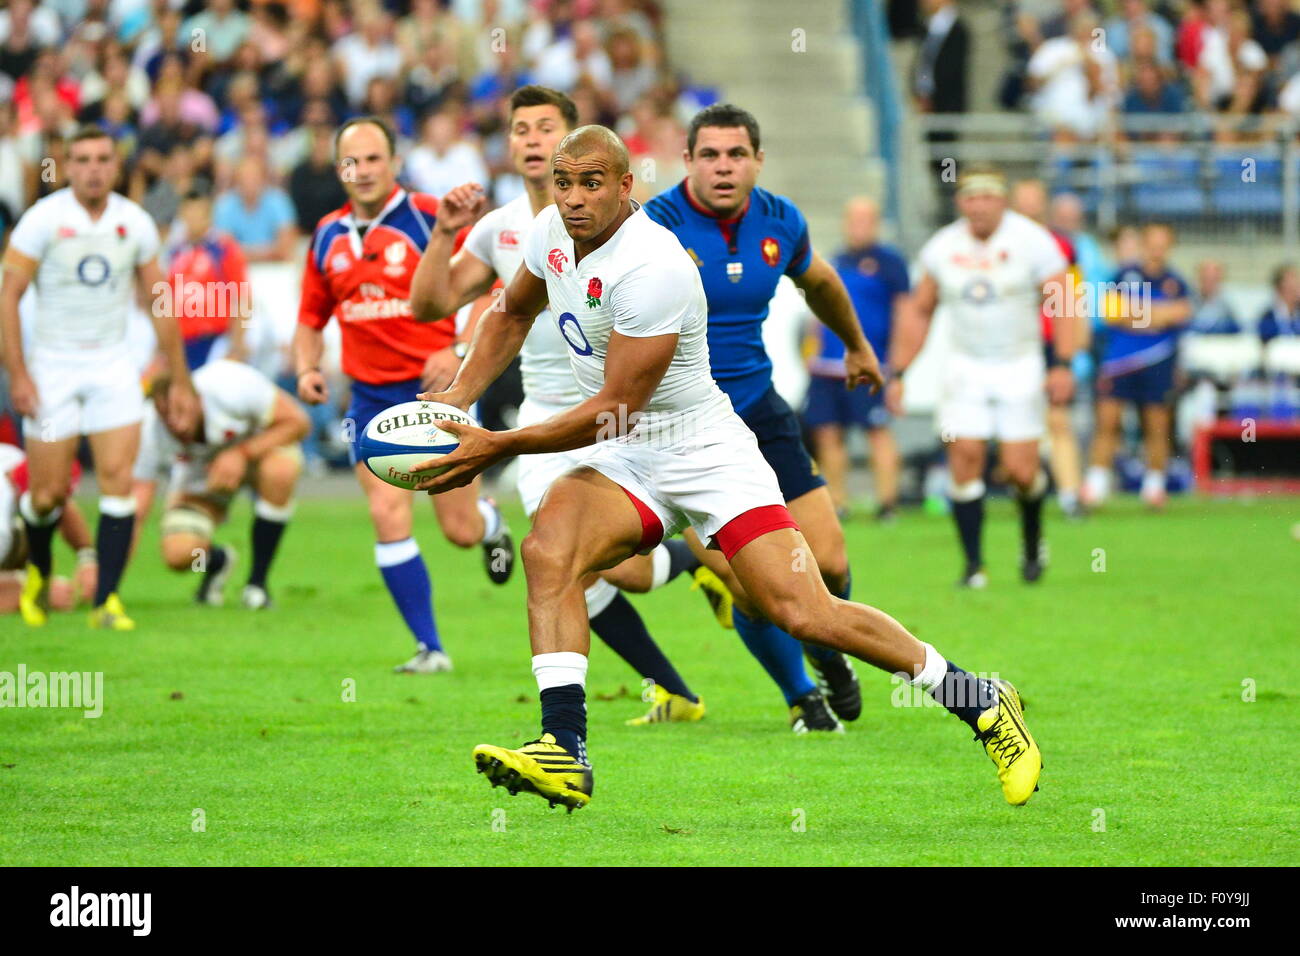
(359, 268)
(743, 239)
(993, 269)
(1148, 308)
(539, 119)
(1029, 198)
(633, 308)
(246, 435)
(875, 276)
(86, 247)
(64, 594)
(211, 262)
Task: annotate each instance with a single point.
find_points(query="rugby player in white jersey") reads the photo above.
(85, 247)
(670, 452)
(246, 435)
(539, 119)
(996, 271)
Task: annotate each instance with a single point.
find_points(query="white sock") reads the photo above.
(559, 669)
(389, 553)
(932, 671)
(599, 596)
(492, 523)
(662, 563)
(1098, 481)
(31, 517)
(117, 506)
(281, 513)
(1153, 482)
(1037, 489)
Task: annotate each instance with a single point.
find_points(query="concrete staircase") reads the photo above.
(818, 129)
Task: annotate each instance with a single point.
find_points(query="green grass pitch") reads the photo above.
(1134, 675)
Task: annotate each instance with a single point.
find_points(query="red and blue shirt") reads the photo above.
(365, 281)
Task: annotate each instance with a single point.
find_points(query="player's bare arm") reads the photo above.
(289, 424)
(1060, 380)
(443, 283)
(307, 347)
(18, 272)
(634, 368)
(828, 299)
(498, 337)
(910, 330)
(182, 400)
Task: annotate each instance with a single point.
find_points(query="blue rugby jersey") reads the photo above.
(873, 277)
(740, 262)
(1129, 349)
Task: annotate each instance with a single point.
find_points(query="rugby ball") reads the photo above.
(403, 436)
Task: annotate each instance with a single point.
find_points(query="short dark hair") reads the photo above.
(724, 115)
(370, 120)
(534, 95)
(90, 131)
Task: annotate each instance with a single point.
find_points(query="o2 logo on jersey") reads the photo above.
(979, 291)
(570, 321)
(94, 270)
(557, 260)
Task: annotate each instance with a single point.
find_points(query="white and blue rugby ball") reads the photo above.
(403, 436)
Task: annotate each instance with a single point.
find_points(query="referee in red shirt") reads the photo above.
(359, 270)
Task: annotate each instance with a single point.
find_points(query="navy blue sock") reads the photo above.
(266, 536)
(217, 558)
(816, 651)
(112, 542)
(969, 516)
(779, 653)
(965, 695)
(1031, 525)
(681, 558)
(408, 582)
(621, 627)
(564, 716)
(40, 550)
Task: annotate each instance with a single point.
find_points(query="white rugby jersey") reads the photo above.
(85, 282)
(993, 288)
(640, 283)
(237, 402)
(498, 240)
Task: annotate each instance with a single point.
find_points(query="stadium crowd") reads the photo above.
(224, 111)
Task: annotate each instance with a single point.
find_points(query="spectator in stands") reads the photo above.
(1274, 26)
(432, 78)
(444, 159)
(258, 215)
(318, 81)
(18, 170)
(1152, 91)
(939, 78)
(367, 53)
(179, 178)
(1229, 71)
(25, 30)
(1283, 316)
(1076, 82)
(208, 270)
(1137, 14)
(1058, 25)
(314, 183)
(633, 74)
(220, 27)
(382, 101)
(115, 72)
(561, 64)
(1211, 312)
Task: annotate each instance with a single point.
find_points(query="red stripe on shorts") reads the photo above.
(754, 523)
(652, 529)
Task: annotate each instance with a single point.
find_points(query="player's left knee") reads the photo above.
(548, 560)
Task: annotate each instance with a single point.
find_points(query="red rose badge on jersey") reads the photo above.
(594, 289)
(771, 250)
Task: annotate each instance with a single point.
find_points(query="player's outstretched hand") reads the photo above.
(479, 449)
(312, 388)
(461, 207)
(453, 399)
(861, 367)
(25, 398)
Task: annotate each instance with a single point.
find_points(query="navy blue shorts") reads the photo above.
(368, 401)
(780, 440)
(830, 403)
(1152, 385)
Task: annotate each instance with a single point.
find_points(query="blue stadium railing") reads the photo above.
(872, 33)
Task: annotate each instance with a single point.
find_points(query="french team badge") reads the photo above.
(771, 250)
